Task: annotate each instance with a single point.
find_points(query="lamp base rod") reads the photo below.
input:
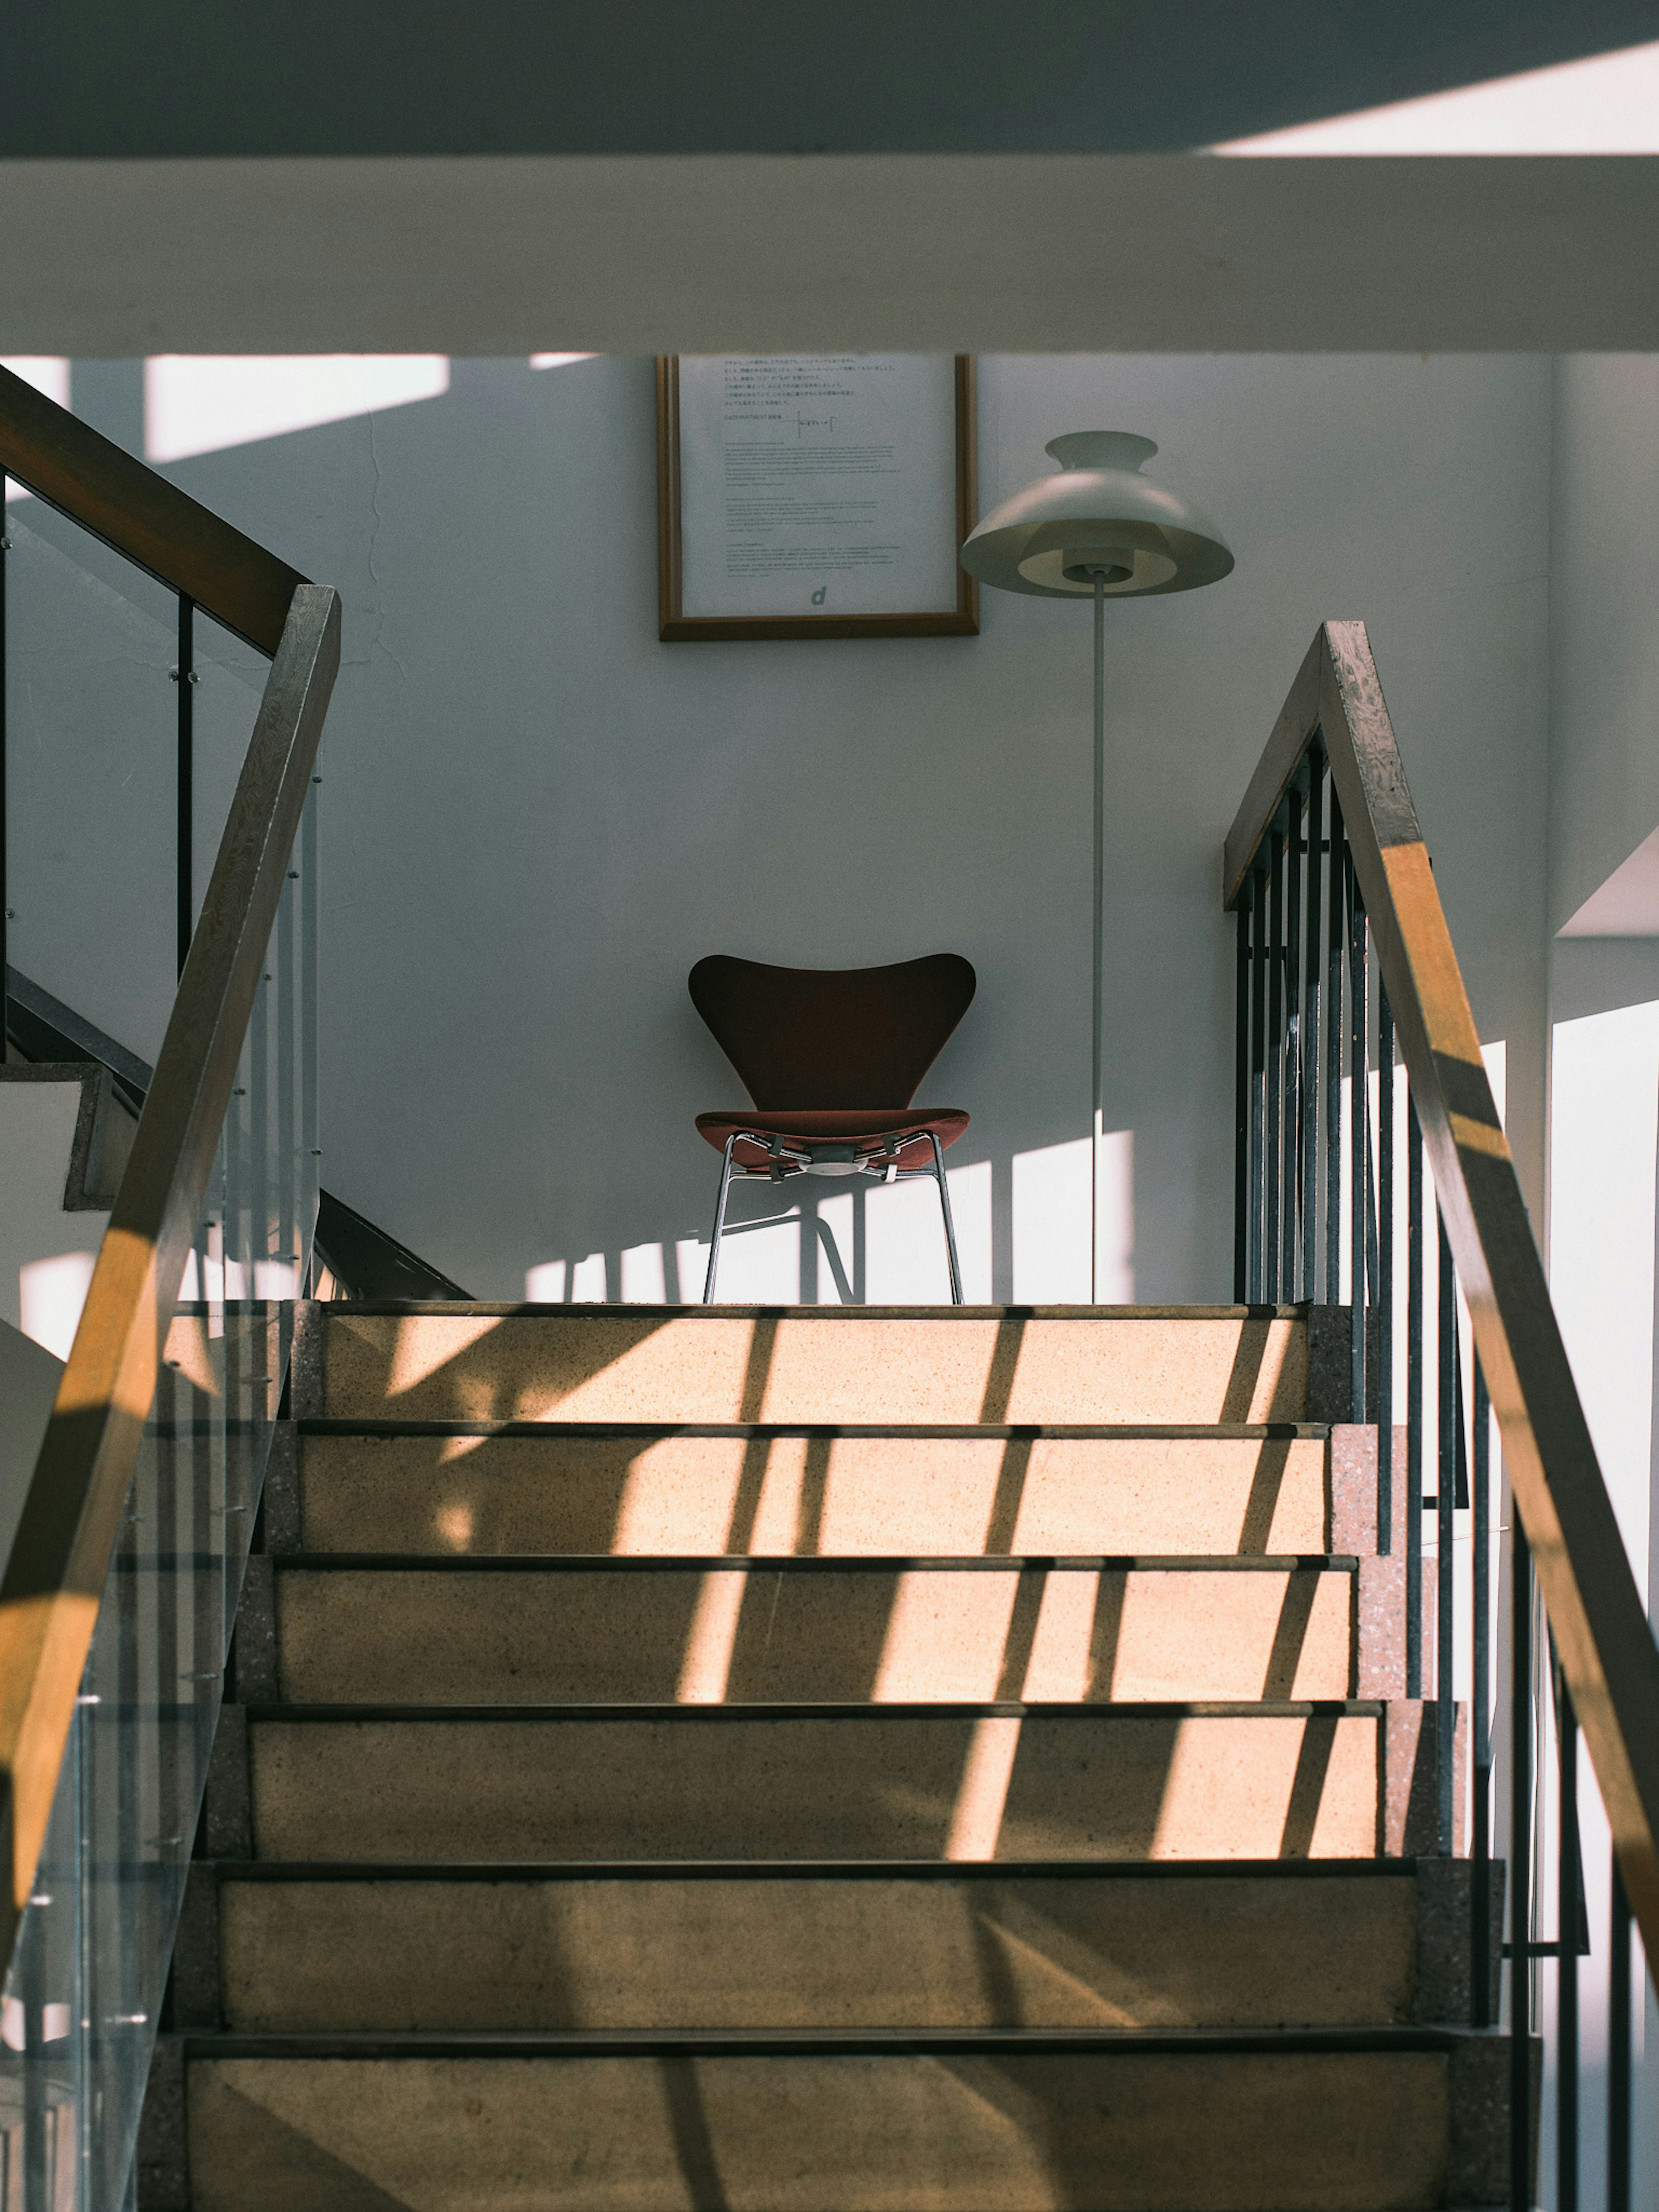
(1097, 1038)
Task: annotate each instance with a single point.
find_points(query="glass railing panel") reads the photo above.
(83, 1999)
(93, 765)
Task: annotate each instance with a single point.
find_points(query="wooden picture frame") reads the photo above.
(676, 626)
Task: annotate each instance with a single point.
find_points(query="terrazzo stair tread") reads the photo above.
(366, 1950)
(662, 1490)
(821, 1363)
(977, 2124)
(1245, 1780)
(469, 1632)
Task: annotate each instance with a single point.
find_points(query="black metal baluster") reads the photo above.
(1258, 1075)
(1292, 1178)
(1385, 1272)
(1414, 1400)
(1242, 1110)
(1461, 1441)
(1450, 1412)
(1358, 1144)
(1311, 1035)
(1567, 1912)
(36, 2194)
(1519, 1875)
(185, 677)
(1619, 2046)
(1480, 1880)
(1373, 1256)
(5, 880)
(1333, 1062)
(1272, 1159)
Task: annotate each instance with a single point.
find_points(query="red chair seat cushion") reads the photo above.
(837, 1125)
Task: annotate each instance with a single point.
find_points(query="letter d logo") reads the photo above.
(818, 596)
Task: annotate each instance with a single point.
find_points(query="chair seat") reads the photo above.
(837, 1126)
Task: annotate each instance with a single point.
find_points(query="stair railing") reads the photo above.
(118, 1601)
(1344, 958)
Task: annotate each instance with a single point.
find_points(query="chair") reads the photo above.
(832, 1057)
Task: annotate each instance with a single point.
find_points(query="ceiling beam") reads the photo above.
(982, 253)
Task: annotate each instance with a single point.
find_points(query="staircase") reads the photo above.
(822, 1761)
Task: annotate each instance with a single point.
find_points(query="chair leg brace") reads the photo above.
(945, 1209)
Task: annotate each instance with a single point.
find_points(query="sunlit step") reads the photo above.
(810, 1364)
(478, 1632)
(664, 1489)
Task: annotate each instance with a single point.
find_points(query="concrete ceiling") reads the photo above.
(159, 79)
(712, 253)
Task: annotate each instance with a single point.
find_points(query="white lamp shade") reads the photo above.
(1099, 514)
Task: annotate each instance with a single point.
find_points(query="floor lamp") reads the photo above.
(1099, 530)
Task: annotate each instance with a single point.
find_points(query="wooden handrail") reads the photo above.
(66, 463)
(1607, 1648)
(50, 1595)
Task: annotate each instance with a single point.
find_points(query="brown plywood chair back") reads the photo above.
(807, 1038)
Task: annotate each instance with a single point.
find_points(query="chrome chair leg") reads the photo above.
(720, 1223)
(950, 1226)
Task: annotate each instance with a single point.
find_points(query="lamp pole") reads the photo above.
(1097, 1105)
(1097, 525)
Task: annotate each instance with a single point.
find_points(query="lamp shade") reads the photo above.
(1097, 516)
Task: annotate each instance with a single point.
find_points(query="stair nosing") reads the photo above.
(605, 2043)
(651, 1713)
(348, 1425)
(635, 1563)
(403, 1309)
(226, 1872)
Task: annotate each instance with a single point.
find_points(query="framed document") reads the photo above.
(815, 495)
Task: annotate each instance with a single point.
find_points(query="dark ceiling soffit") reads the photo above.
(159, 79)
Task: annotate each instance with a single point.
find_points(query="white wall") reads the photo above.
(1604, 809)
(28, 1384)
(1604, 587)
(537, 815)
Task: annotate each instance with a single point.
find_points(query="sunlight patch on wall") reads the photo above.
(643, 1280)
(50, 1294)
(559, 359)
(1495, 1057)
(970, 1209)
(1051, 1223)
(47, 372)
(760, 1262)
(1604, 1139)
(1606, 103)
(204, 403)
(557, 1283)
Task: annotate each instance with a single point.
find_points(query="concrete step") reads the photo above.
(477, 1632)
(399, 1950)
(663, 1489)
(809, 1364)
(976, 2124)
(1075, 1782)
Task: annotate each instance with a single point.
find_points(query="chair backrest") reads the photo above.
(832, 1038)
